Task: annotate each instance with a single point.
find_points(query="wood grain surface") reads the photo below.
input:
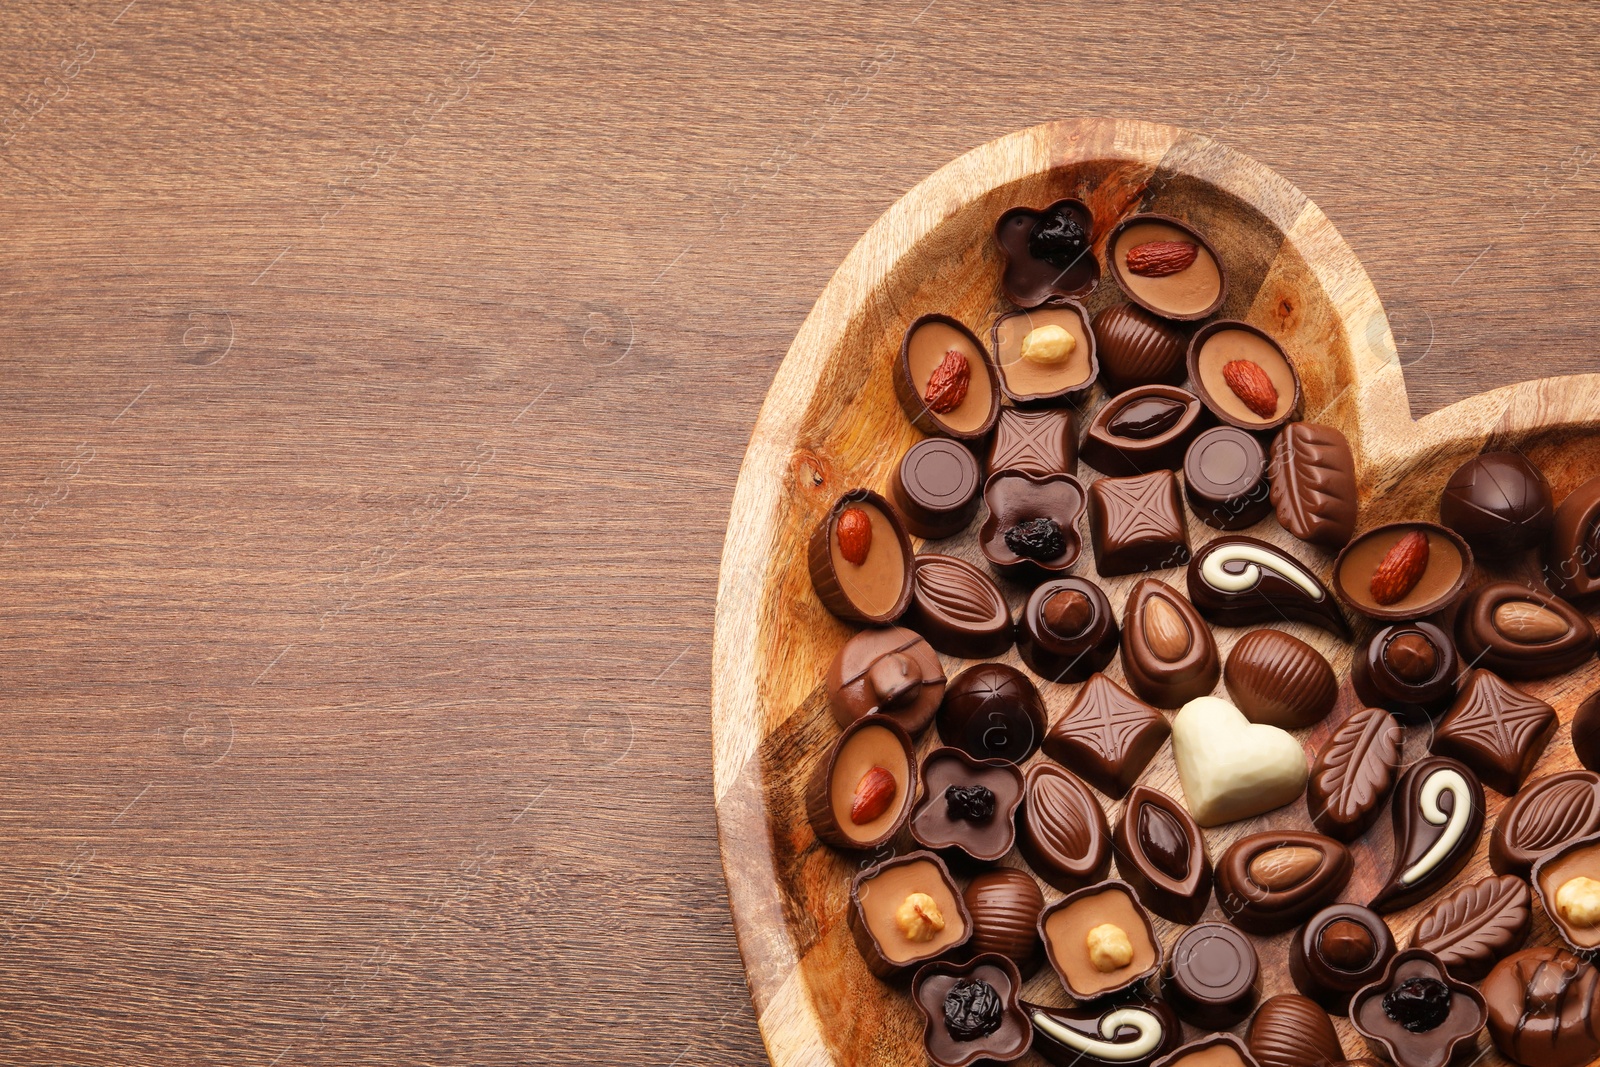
(374, 381)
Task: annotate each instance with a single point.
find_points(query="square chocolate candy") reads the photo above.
(1137, 524)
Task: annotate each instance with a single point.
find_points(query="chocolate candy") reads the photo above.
(1137, 524)
(1270, 881)
(1225, 478)
(1230, 767)
(890, 672)
(1340, 949)
(1544, 1008)
(1240, 581)
(1115, 1035)
(1004, 905)
(1476, 925)
(1586, 732)
(1280, 680)
(1438, 815)
(860, 559)
(1314, 484)
(1109, 735)
(1064, 836)
(1100, 941)
(1162, 855)
(1031, 531)
(992, 711)
(1568, 883)
(1572, 551)
(1067, 630)
(1354, 773)
(1168, 653)
(906, 911)
(958, 608)
(1166, 267)
(1414, 581)
(1146, 429)
(1049, 253)
(1137, 348)
(968, 806)
(1499, 502)
(1034, 442)
(860, 794)
(1211, 976)
(1408, 668)
(1520, 633)
(1215, 1050)
(1045, 356)
(944, 380)
(970, 1011)
(1242, 374)
(1417, 1014)
(1291, 1031)
(1497, 730)
(935, 486)
(1547, 813)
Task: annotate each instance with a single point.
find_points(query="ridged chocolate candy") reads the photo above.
(1476, 925)
(1545, 814)
(1138, 348)
(1062, 829)
(1005, 906)
(958, 608)
(1280, 680)
(1314, 484)
(1544, 1008)
(1292, 1031)
(1354, 773)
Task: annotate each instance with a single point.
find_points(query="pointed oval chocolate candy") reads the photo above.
(1239, 581)
(1519, 632)
(1547, 813)
(1273, 880)
(1168, 653)
(1438, 815)
(1162, 854)
(958, 608)
(1145, 429)
(1062, 829)
(1353, 774)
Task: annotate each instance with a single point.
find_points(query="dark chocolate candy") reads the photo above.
(1240, 581)
(1292, 1031)
(1432, 586)
(1572, 551)
(876, 588)
(1243, 375)
(935, 486)
(1566, 880)
(968, 806)
(1108, 734)
(1586, 731)
(1138, 348)
(1417, 1014)
(1211, 976)
(1067, 631)
(1340, 949)
(1314, 484)
(1137, 524)
(1547, 813)
(963, 404)
(1520, 633)
(1212, 1050)
(1499, 502)
(958, 608)
(1114, 1035)
(1064, 928)
(873, 755)
(1015, 499)
(1034, 442)
(890, 671)
(1270, 881)
(1438, 814)
(1544, 1008)
(1063, 832)
(1354, 773)
(1168, 653)
(1408, 668)
(1476, 925)
(970, 1011)
(1005, 904)
(1059, 379)
(1146, 429)
(1184, 290)
(1162, 854)
(1049, 253)
(1225, 478)
(1496, 729)
(1280, 680)
(877, 897)
(992, 711)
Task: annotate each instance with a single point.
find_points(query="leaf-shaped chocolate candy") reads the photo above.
(1313, 483)
(1353, 774)
(1475, 926)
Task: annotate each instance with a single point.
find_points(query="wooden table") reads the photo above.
(373, 385)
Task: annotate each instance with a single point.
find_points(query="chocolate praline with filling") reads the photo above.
(906, 911)
(1544, 1008)
(1138, 348)
(1225, 479)
(1049, 253)
(1062, 829)
(1146, 429)
(1438, 812)
(860, 794)
(891, 672)
(1168, 652)
(1005, 904)
(1137, 524)
(1238, 580)
(958, 608)
(1100, 941)
(1116, 1034)
(1499, 502)
(1522, 633)
(1033, 442)
(1568, 883)
(1031, 531)
(1572, 551)
(860, 559)
(1278, 679)
(1067, 631)
(1416, 1014)
(944, 380)
(1385, 573)
(970, 1011)
(968, 806)
(1046, 355)
(935, 486)
(992, 711)
(1270, 881)
(1340, 949)
(1408, 668)
(1243, 375)
(1108, 734)
(1211, 976)
(1162, 854)
(1166, 267)
(1214, 1050)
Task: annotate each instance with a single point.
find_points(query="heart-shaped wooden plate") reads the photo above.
(831, 423)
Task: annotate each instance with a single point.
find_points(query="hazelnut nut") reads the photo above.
(918, 917)
(1578, 901)
(1109, 947)
(1048, 345)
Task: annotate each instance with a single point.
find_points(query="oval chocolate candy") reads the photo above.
(1273, 880)
(1115, 1035)
(1518, 632)
(1168, 653)
(1438, 815)
(1005, 904)
(1354, 773)
(1280, 680)
(1062, 829)
(1314, 484)
(958, 608)
(1292, 1031)
(1240, 581)
(1547, 813)
(1476, 925)
(1138, 348)
(1162, 854)
(1145, 429)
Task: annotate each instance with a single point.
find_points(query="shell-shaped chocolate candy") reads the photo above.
(1105, 1035)
(1292, 1031)
(1168, 653)
(1280, 680)
(1519, 632)
(1005, 904)
(1438, 814)
(1062, 829)
(1354, 773)
(1241, 581)
(1545, 814)
(1273, 880)
(1476, 925)
(1162, 854)
(958, 608)
(1138, 348)
(1314, 484)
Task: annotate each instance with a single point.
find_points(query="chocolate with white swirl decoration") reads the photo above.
(1438, 815)
(1239, 581)
(1128, 1035)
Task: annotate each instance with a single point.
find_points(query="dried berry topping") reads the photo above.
(947, 385)
(974, 803)
(972, 1009)
(1036, 539)
(1157, 259)
(1057, 238)
(854, 530)
(1147, 418)
(1419, 1004)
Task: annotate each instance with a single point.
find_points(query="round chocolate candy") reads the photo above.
(1572, 552)
(1342, 948)
(1404, 570)
(1408, 668)
(992, 711)
(890, 672)
(1005, 906)
(1499, 502)
(1243, 375)
(935, 486)
(1586, 732)
(1225, 479)
(1544, 1008)
(1211, 976)
(1068, 631)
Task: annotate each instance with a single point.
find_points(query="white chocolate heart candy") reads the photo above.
(1230, 767)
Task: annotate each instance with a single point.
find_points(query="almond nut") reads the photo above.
(1278, 869)
(873, 795)
(1527, 623)
(1401, 569)
(1165, 631)
(1157, 259)
(854, 530)
(1252, 386)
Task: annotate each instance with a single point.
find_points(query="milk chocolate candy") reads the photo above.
(1242, 374)
(1340, 949)
(1354, 773)
(1211, 976)
(1242, 581)
(1518, 632)
(935, 486)
(1049, 253)
(945, 381)
(1168, 653)
(890, 672)
(1417, 1014)
(1278, 679)
(1313, 476)
(970, 1011)
(1231, 768)
(1138, 348)
(968, 807)
(906, 911)
(1292, 1031)
(1130, 1034)
(1031, 530)
(1499, 502)
(992, 711)
(1567, 881)
(860, 560)
(1213, 1050)
(1572, 551)
(1146, 429)
(1271, 881)
(860, 794)
(1166, 267)
(1045, 356)
(1100, 941)
(1108, 734)
(1062, 830)
(1067, 631)
(1408, 668)
(1404, 570)
(1162, 855)
(1225, 478)
(958, 608)
(1497, 730)
(1547, 813)
(1438, 814)
(1544, 1008)
(1034, 442)
(1476, 925)
(1137, 524)
(1004, 905)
